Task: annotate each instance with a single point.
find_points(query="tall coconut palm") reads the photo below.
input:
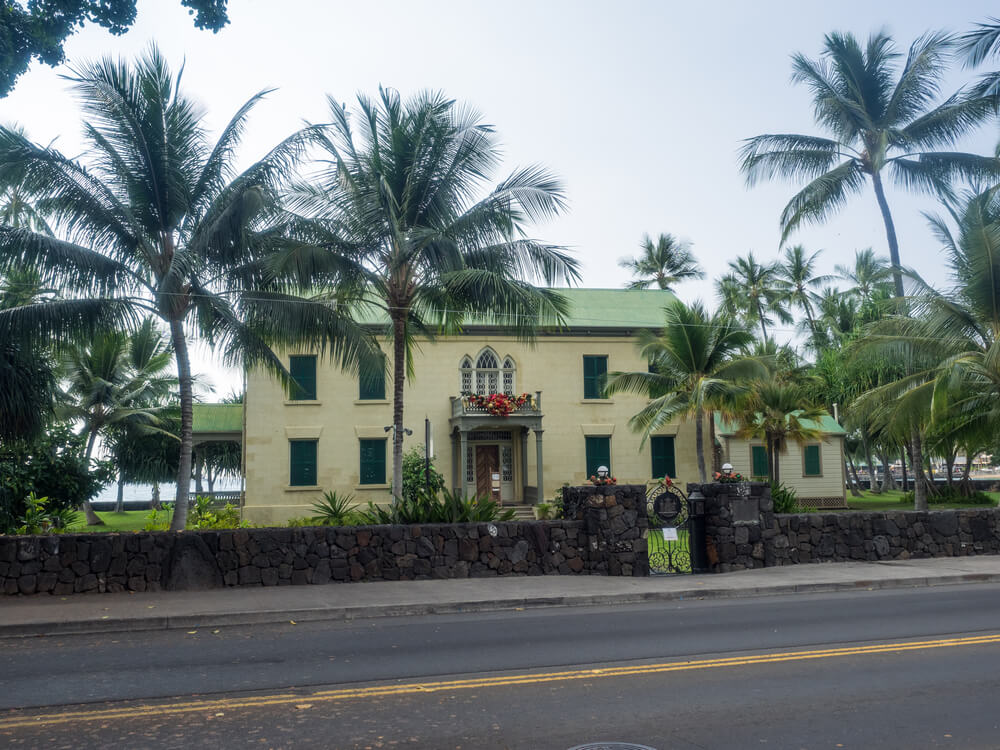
(881, 118)
(403, 199)
(977, 46)
(695, 367)
(159, 221)
(798, 273)
(754, 292)
(663, 263)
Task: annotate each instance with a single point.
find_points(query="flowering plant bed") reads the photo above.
(602, 481)
(729, 478)
(499, 404)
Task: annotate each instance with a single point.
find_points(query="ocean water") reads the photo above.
(142, 493)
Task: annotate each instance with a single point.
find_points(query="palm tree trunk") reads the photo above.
(902, 460)
(870, 458)
(88, 510)
(949, 466)
(776, 478)
(120, 500)
(919, 488)
(890, 233)
(398, 381)
(187, 417)
(155, 500)
(763, 328)
(852, 477)
(699, 428)
(198, 490)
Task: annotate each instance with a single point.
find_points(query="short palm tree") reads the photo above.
(798, 274)
(116, 382)
(754, 292)
(777, 411)
(402, 201)
(160, 222)
(663, 263)
(695, 367)
(880, 119)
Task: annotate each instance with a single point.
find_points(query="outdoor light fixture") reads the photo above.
(602, 472)
(406, 431)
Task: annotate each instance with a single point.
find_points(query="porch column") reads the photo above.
(538, 468)
(524, 463)
(463, 445)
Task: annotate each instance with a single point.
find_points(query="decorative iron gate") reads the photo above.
(669, 541)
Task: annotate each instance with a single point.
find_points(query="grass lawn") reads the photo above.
(893, 500)
(130, 520)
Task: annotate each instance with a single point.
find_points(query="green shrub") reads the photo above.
(334, 510)
(415, 475)
(544, 511)
(157, 520)
(429, 508)
(784, 498)
(228, 517)
(950, 496)
(41, 516)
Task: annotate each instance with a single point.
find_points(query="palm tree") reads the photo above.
(663, 263)
(879, 119)
(399, 201)
(754, 292)
(869, 276)
(798, 273)
(159, 222)
(117, 382)
(976, 46)
(695, 366)
(778, 410)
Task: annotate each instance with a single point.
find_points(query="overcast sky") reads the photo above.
(639, 107)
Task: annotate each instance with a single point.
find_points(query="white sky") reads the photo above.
(639, 106)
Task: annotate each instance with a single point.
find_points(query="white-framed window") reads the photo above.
(467, 373)
(508, 376)
(487, 375)
(507, 463)
(470, 465)
(487, 372)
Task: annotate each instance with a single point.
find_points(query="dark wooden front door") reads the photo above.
(487, 464)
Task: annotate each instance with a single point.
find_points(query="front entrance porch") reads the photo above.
(490, 453)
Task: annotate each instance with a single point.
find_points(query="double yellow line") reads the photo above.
(325, 696)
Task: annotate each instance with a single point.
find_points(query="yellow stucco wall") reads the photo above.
(553, 365)
(791, 466)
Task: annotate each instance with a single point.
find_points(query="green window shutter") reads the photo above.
(811, 462)
(759, 456)
(372, 385)
(373, 461)
(598, 454)
(302, 460)
(303, 371)
(595, 373)
(662, 451)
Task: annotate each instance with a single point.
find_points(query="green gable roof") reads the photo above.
(590, 309)
(826, 424)
(209, 418)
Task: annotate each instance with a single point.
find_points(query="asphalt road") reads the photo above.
(909, 668)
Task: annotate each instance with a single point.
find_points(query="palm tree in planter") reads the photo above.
(695, 366)
(160, 222)
(880, 119)
(401, 202)
(663, 263)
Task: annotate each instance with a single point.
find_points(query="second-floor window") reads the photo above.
(487, 375)
(595, 374)
(302, 368)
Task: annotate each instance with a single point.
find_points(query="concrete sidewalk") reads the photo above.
(95, 613)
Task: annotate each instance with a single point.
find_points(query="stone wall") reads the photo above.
(604, 537)
(743, 532)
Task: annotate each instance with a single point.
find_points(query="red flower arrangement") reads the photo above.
(728, 478)
(666, 481)
(499, 404)
(602, 482)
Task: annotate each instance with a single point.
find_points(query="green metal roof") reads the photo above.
(218, 418)
(826, 424)
(591, 309)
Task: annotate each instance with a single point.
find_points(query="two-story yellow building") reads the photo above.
(333, 434)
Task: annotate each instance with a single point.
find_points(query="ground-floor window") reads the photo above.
(661, 449)
(812, 466)
(373, 461)
(302, 463)
(598, 454)
(758, 455)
